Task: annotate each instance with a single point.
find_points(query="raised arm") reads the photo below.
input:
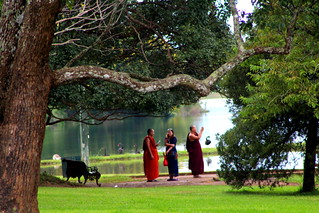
(193, 137)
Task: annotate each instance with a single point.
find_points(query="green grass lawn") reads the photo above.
(184, 199)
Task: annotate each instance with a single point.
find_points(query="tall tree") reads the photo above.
(26, 34)
(279, 110)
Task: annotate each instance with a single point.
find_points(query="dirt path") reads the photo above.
(205, 179)
(183, 180)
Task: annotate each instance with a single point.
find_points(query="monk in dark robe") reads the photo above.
(196, 162)
(150, 157)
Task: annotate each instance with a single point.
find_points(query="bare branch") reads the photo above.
(53, 119)
(141, 45)
(91, 15)
(152, 26)
(85, 50)
(71, 41)
(99, 14)
(87, 117)
(242, 56)
(118, 115)
(238, 37)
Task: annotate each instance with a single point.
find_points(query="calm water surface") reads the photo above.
(64, 138)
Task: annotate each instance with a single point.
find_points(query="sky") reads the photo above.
(242, 5)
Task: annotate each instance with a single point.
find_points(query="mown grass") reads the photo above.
(186, 199)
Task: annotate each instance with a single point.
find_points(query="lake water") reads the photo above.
(64, 138)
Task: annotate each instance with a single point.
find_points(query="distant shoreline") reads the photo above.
(213, 95)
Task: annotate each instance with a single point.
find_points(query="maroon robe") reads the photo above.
(196, 161)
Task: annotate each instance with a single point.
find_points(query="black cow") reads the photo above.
(78, 168)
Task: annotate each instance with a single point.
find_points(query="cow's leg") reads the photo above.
(97, 177)
(79, 179)
(68, 179)
(85, 178)
(97, 182)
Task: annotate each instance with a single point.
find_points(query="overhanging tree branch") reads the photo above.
(71, 74)
(203, 87)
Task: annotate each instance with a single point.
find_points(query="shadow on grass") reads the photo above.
(50, 180)
(272, 192)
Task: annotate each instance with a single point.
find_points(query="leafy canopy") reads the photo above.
(274, 113)
(151, 40)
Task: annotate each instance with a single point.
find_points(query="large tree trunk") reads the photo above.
(310, 156)
(9, 28)
(27, 87)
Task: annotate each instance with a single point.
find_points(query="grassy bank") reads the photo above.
(124, 157)
(176, 199)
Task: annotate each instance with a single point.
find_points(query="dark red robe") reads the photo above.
(196, 161)
(150, 166)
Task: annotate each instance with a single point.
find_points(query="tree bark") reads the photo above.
(310, 156)
(9, 28)
(28, 86)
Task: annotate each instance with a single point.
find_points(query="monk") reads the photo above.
(196, 162)
(150, 157)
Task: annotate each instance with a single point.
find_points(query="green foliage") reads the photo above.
(280, 100)
(234, 85)
(69, 3)
(158, 39)
(256, 151)
(288, 82)
(0, 6)
(98, 96)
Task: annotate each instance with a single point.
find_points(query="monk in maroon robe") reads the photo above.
(196, 162)
(150, 157)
